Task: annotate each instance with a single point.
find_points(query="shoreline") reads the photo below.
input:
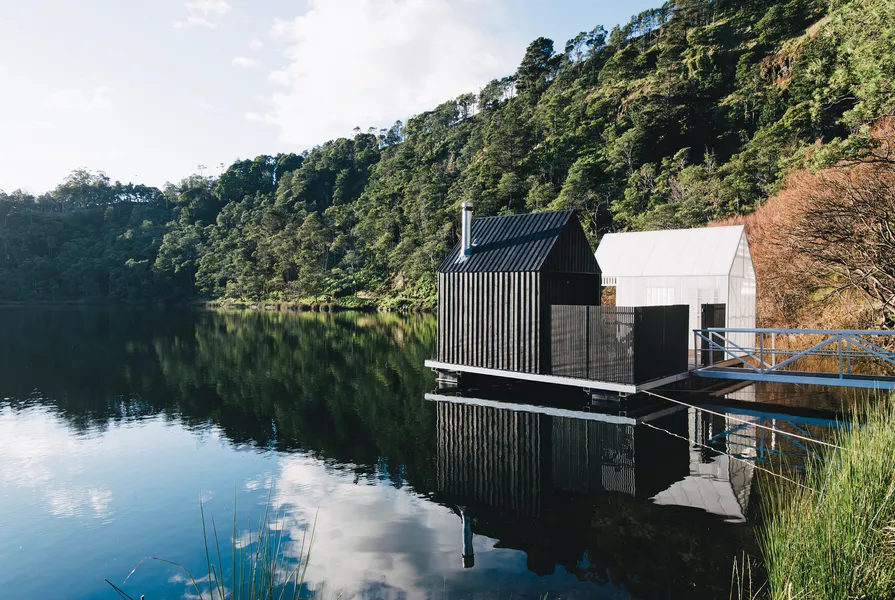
(261, 305)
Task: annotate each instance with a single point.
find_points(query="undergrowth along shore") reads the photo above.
(345, 304)
(834, 538)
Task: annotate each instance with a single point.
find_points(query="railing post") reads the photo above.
(848, 350)
(840, 356)
(712, 350)
(761, 351)
(774, 349)
(696, 349)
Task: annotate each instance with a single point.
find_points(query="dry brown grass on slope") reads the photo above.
(824, 246)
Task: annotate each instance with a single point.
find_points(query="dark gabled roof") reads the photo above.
(517, 243)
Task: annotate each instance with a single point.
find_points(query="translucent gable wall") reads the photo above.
(684, 266)
(662, 291)
(741, 295)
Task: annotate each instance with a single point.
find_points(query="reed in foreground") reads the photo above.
(259, 568)
(835, 538)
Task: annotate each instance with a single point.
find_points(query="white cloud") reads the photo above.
(208, 7)
(256, 44)
(369, 62)
(203, 13)
(244, 62)
(195, 21)
(95, 98)
(25, 128)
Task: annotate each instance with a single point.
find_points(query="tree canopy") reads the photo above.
(690, 113)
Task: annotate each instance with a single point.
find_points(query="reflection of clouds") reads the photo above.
(38, 452)
(204, 584)
(367, 538)
(99, 502)
(66, 502)
(63, 502)
(262, 482)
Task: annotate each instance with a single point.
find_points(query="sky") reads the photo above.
(148, 91)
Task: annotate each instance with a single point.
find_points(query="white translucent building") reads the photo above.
(711, 265)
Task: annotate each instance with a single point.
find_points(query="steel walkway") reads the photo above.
(829, 357)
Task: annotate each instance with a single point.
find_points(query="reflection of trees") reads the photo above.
(348, 386)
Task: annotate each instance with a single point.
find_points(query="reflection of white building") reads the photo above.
(720, 484)
(711, 265)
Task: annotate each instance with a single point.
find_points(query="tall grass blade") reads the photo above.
(832, 542)
(260, 568)
(121, 592)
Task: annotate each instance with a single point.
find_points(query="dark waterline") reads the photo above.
(114, 423)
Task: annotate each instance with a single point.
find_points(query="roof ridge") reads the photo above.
(528, 214)
(503, 243)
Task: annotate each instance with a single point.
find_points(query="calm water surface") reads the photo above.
(114, 424)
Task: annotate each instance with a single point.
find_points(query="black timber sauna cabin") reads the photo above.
(494, 299)
(521, 294)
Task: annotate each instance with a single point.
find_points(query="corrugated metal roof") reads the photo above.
(510, 243)
(673, 252)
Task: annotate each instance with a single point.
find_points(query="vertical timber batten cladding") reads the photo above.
(492, 457)
(494, 305)
(517, 461)
(619, 344)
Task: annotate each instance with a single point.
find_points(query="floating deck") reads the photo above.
(872, 382)
(832, 361)
(585, 384)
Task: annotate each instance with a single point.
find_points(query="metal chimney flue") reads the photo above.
(466, 221)
(468, 559)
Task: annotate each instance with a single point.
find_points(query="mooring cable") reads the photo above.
(746, 422)
(689, 441)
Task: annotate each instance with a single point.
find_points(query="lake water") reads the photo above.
(114, 424)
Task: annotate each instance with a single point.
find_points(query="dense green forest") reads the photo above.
(689, 113)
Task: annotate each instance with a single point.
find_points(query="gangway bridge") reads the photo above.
(828, 357)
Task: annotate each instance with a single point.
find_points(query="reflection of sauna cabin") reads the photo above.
(511, 460)
(514, 460)
(719, 484)
(534, 479)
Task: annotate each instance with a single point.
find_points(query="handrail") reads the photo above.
(886, 332)
(842, 344)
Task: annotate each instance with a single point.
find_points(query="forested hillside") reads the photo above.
(690, 113)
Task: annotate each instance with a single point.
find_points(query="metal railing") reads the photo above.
(839, 352)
